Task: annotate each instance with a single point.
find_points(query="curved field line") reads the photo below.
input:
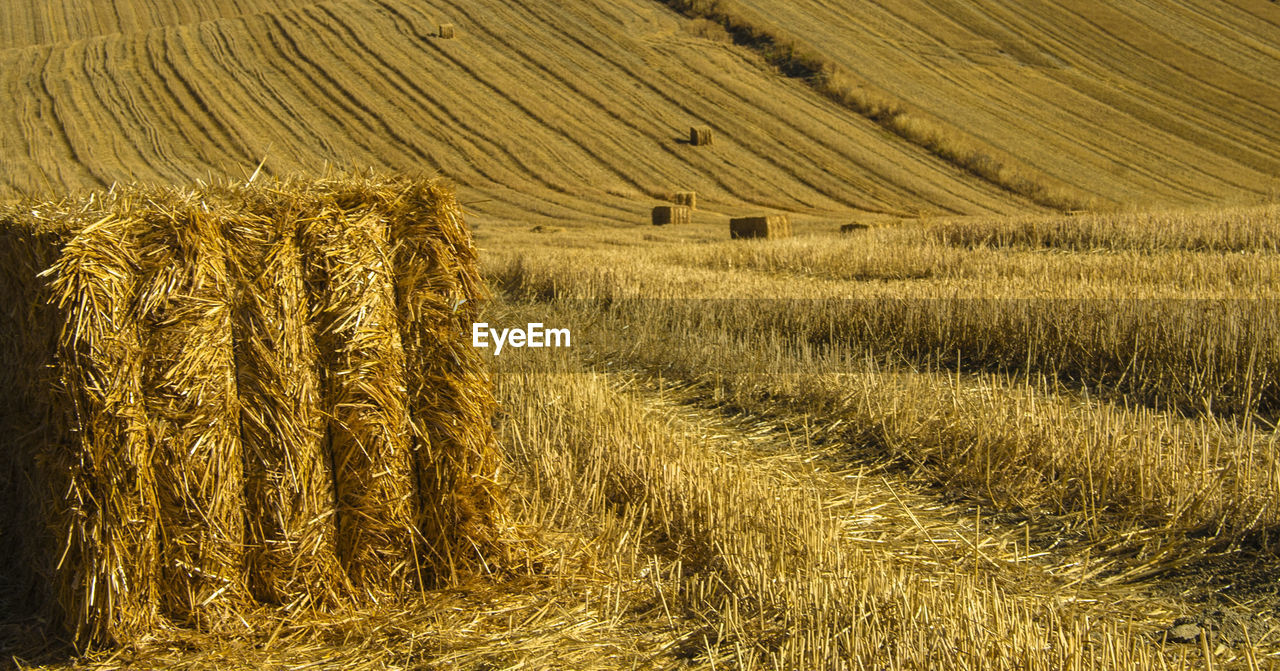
(1166, 94)
(1101, 142)
(275, 109)
(440, 119)
(718, 113)
(56, 110)
(724, 115)
(1031, 122)
(343, 94)
(533, 105)
(1219, 154)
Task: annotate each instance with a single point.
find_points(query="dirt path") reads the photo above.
(1230, 594)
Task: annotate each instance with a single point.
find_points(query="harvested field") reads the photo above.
(555, 113)
(1153, 103)
(997, 385)
(1112, 401)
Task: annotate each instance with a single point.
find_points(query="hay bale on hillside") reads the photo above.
(671, 214)
(768, 227)
(687, 198)
(699, 136)
(240, 395)
(446, 31)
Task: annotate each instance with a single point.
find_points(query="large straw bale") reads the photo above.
(290, 506)
(767, 227)
(241, 394)
(700, 136)
(348, 264)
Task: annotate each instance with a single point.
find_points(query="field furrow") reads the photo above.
(1046, 82)
(271, 109)
(709, 108)
(48, 22)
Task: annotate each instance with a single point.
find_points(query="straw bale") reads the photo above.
(349, 268)
(699, 136)
(91, 452)
(671, 214)
(686, 198)
(768, 227)
(241, 394)
(192, 408)
(291, 532)
(446, 31)
(440, 289)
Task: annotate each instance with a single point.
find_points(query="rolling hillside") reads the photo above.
(543, 110)
(574, 110)
(1150, 102)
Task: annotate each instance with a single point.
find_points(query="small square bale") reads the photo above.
(699, 136)
(767, 227)
(671, 214)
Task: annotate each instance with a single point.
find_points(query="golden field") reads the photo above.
(1023, 416)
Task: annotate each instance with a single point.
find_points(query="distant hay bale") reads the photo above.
(238, 395)
(687, 198)
(446, 31)
(671, 214)
(853, 228)
(699, 136)
(769, 227)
